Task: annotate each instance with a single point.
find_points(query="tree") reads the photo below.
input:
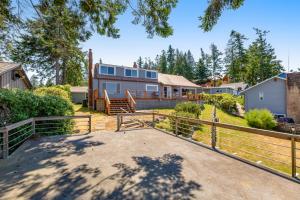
(261, 60)
(214, 11)
(50, 45)
(189, 66)
(140, 62)
(34, 81)
(171, 59)
(202, 68)
(162, 67)
(235, 57)
(216, 62)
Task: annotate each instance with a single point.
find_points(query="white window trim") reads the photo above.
(151, 71)
(152, 86)
(137, 72)
(115, 70)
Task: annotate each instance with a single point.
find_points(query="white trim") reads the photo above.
(103, 65)
(152, 85)
(242, 92)
(136, 69)
(151, 71)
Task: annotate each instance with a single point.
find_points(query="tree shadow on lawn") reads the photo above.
(21, 173)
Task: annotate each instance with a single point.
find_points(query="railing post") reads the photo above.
(153, 118)
(214, 134)
(90, 123)
(118, 122)
(5, 143)
(293, 157)
(176, 126)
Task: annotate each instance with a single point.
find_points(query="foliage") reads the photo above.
(202, 72)
(261, 118)
(63, 91)
(186, 127)
(261, 60)
(216, 62)
(189, 107)
(214, 11)
(171, 59)
(162, 67)
(235, 57)
(26, 104)
(226, 102)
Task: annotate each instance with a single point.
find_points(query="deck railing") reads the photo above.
(131, 101)
(274, 151)
(106, 102)
(13, 135)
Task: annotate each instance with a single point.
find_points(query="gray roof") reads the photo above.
(254, 86)
(235, 86)
(7, 66)
(79, 89)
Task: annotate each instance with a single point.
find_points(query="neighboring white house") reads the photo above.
(269, 94)
(79, 94)
(230, 88)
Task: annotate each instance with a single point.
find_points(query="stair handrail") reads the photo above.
(131, 100)
(106, 101)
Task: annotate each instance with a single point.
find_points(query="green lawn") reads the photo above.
(253, 147)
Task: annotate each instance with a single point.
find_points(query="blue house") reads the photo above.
(269, 94)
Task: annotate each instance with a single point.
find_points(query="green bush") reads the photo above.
(261, 118)
(189, 107)
(226, 102)
(63, 91)
(186, 127)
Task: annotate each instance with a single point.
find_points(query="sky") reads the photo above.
(280, 17)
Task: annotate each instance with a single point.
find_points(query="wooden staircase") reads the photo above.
(119, 105)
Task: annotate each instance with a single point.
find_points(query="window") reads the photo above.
(151, 74)
(261, 96)
(107, 70)
(151, 88)
(131, 72)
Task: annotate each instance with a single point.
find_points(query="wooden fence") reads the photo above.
(13, 135)
(271, 150)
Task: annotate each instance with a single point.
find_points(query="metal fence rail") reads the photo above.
(275, 151)
(13, 135)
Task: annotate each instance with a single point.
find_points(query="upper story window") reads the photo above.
(151, 74)
(151, 88)
(131, 72)
(107, 70)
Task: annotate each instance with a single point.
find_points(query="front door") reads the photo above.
(167, 92)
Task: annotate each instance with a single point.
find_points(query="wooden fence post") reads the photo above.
(118, 122)
(293, 157)
(90, 123)
(176, 126)
(153, 118)
(5, 143)
(33, 126)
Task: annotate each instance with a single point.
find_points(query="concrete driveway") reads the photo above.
(140, 164)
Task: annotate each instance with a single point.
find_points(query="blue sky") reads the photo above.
(280, 17)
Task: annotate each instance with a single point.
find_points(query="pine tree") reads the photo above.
(162, 67)
(235, 57)
(216, 62)
(190, 66)
(171, 59)
(261, 60)
(140, 62)
(202, 71)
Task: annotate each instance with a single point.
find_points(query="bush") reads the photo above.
(62, 91)
(189, 107)
(263, 119)
(26, 104)
(226, 102)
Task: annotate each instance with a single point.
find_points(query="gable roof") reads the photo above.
(258, 84)
(79, 89)
(9, 66)
(235, 86)
(174, 80)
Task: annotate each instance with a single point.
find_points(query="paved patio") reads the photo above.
(140, 164)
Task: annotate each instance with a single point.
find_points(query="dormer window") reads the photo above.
(151, 74)
(131, 73)
(106, 70)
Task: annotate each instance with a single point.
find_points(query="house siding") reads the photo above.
(274, 96)
(7, 82)
(293, 96)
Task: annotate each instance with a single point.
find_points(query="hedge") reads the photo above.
(261, 118)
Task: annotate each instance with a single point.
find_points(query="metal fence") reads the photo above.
(13, 135)
(275, 151)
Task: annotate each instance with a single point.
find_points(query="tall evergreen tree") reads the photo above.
(202, 68)
(216, 62)
(189, 66)
(261, 60)
(140, 62)
(235, 57)
(171, 59)
(162, 66)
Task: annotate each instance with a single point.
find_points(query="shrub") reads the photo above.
(62, 91)
(226, 102)
(261, 119)
(189, 107)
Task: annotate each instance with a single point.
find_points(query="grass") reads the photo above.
(271, 152)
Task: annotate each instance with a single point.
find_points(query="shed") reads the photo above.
(79, 94)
